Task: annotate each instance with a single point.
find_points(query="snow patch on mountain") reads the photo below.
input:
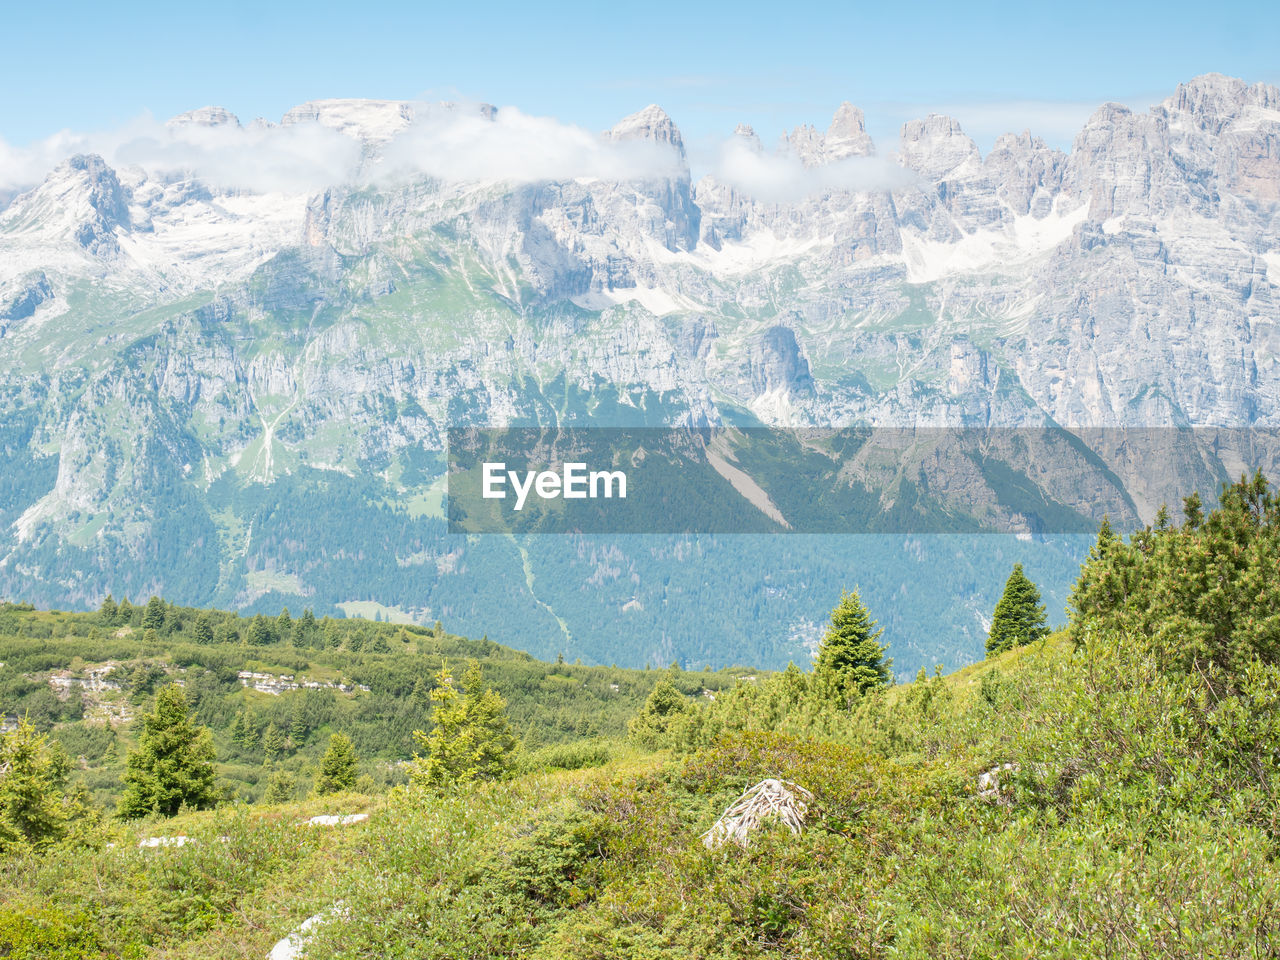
(988, 250)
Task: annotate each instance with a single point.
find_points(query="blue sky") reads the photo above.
(995, 66)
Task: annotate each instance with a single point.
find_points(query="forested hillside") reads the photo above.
(272, 690)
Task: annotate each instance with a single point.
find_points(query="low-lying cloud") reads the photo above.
(444, 142)
(783, 178)
(259, 158)
(465, 145)
(452, 143)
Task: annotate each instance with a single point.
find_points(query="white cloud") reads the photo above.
(257, 158)
(451, 144)
(783, 178)
(464, 145)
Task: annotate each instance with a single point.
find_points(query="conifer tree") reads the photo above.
(1019, 617)
(33, 777)
(338, 766)
(661, 714)
(272, 742)
(421, 696)
(172, 765)
(154, 614)
(493, 743)
(284, 626)
(202, 632)
(108, 611)
(280, 788)
(1207, 590)
(470, 738)
(124, 613)
(259, 631)
(297, 726)
(851, 659)
(244, 729)
(1103, 580)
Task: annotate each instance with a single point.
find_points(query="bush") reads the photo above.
(567, 756)
(44, 933)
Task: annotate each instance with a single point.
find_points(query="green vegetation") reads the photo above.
(338, 767)
(1019, 617)
(470, 737)
(87, 679)
(172, 766)
(851, 660)
(1106, 791)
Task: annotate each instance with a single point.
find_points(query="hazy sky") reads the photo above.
(996, 67)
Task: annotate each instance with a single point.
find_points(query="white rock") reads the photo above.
(336, 820)
(989, 784)
(178, 841)
(291, 947)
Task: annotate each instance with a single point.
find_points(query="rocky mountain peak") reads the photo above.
(369, 121)
(847, 136)
(1213, 92)
(806, 143)
(1213, 100)
(205, 117)
(82, 197)
(651, 123)
(746, 135)
(936, 147)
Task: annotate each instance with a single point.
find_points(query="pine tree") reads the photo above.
(851, 659)
(493, 743)
(338, 767)
(124, 613)
(172, 765)
(154, 614)
(662, 712)
(1206, 591)
(307, 629)
(244, 729)
(32, 779)
(297, 726)
(1104, 577)
(202, 632)
(108, 611)
(470, 738)
(421, 696)
(284, 626)
(1019, 617)
(259, 631)
(272, 742)
(281, 788)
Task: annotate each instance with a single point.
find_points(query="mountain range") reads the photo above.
(227, 385)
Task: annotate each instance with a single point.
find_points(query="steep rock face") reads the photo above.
(1026, 174)
(23, 299)
(774, 364)
(82, 199)
(370, 121)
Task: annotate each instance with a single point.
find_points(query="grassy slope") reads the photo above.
(901, 858)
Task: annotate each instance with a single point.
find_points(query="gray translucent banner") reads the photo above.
(1033, 481)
